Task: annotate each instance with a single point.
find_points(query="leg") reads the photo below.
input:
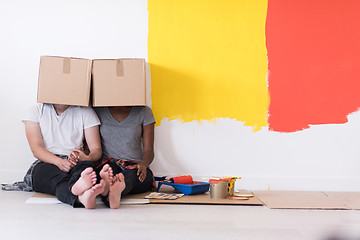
(86, 181)
(83, 184)
(88, 198)
(115, 170)
(77, 170)
(107, 174)
(48, 178)
(133, 185)
(116, 189)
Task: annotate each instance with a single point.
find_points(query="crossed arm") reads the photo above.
(34, 137)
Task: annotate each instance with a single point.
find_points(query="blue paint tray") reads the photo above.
(188, 189)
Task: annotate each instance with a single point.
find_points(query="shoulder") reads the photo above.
(37, 111)
(38, 107)
(83, 110)
(143, 110)
(145, 115)
(87, 114)
(100, 110)
(41, 108)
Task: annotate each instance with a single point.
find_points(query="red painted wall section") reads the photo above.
(314, 62)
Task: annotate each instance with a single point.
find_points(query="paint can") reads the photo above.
(231, 185)
(219, 188)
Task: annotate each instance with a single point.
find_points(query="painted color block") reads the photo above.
(208, 60)
(314, 61)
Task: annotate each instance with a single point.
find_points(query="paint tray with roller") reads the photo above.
(186, 185)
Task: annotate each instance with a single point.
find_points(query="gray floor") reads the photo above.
(168, 221)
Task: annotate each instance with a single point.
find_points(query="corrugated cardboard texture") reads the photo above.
(118, 82)
(299, 200)
(64, 81)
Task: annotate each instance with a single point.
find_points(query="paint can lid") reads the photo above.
(218, 180)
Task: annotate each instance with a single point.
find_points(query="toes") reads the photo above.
(106, 167)
(101, 184)
(88, 170)
(114, 179)
(121, 177)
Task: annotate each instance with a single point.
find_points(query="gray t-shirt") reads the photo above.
(124, 139)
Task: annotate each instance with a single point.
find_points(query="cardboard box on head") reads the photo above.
(110, 82)
(64, 80)
(118, 82)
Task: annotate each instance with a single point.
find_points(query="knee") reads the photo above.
(130, 174)
(42, 168)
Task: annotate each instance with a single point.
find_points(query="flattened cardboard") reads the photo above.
(64, 80)
(299, 200)
(199, 199)
(118, 82)
(350, 199)
(272, 199)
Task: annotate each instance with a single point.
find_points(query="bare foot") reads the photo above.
(88, 198)
(115, 191)
(86, 181)
(107, 174)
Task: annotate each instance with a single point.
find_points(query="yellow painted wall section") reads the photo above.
(208, 60)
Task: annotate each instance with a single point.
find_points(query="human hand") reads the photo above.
(73, 158)
(78, 154)
(141, 171)
(65, 165)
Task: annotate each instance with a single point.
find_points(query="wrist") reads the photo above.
(58, 161)
(143, 164)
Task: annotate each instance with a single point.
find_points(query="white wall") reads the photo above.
(324, 157)
(75, 28)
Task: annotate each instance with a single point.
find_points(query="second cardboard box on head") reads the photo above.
(98, 82)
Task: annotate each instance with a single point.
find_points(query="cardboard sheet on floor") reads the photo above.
(350, 199)
(200, 199)
(299, 200)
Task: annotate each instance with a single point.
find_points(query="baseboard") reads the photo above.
(254, 182)
(300, 183)
(291, 183)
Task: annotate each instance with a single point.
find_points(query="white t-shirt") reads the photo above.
(61, 134)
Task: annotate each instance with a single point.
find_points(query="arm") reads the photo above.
(148, 144)
(148, 151)
(34, 137)
(92, 137)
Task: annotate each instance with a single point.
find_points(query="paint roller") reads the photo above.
(187, 179)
